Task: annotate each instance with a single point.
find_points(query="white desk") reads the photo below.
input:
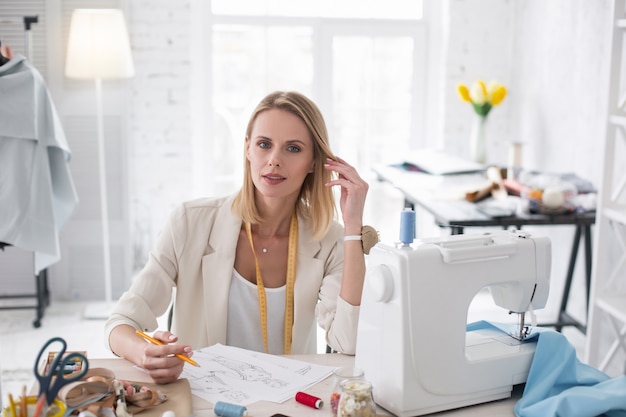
(125, 370)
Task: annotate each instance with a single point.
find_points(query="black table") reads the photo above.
(426, 191)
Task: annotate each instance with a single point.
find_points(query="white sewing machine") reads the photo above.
(412, 341)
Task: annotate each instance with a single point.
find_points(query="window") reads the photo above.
(353, 9)
(366, 74)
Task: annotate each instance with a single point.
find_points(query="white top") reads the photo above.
(244, 325)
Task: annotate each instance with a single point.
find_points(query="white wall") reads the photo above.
(563, 53)
(160, 134)
(479, 45)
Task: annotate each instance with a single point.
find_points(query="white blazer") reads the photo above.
(196, 255)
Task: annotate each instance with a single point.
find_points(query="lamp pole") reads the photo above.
(106, 248)
(99, 49)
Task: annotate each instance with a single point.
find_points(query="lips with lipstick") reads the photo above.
(274, 178)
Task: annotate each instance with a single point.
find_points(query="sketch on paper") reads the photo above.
(242, 376)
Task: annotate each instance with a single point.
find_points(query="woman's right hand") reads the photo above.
(160, 362)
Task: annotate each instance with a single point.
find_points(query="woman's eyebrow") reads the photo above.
(300, 141)
(289, 141)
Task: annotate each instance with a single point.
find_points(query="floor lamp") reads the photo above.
(98, 49)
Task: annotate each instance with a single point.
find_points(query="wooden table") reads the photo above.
(201, 408)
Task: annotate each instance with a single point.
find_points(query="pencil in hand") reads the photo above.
(159, 343)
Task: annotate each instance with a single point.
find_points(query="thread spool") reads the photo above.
(407, 226)
(223, 409)
(308, 399)
(515, 160)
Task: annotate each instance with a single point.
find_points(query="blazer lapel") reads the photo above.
(309, 271)
(217, 271)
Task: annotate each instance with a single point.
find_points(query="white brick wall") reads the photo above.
(479, 46)
(562, 78)
(160, 148)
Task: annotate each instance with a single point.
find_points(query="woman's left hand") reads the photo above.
(353, 193)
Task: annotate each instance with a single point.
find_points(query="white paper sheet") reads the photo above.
(241, 376)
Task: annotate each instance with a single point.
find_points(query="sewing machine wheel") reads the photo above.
(380, 281)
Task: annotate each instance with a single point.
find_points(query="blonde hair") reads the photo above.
(316, 201)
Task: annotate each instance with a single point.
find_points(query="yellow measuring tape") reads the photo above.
(291, 277)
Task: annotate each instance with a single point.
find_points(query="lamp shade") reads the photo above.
(98, 45)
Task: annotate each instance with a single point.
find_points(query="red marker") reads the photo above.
(308, 399)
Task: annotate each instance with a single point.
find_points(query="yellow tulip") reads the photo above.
(482, 97)
(478, 93)
(483, 87)
(495, 92)
(498, 95)
(491, 87)
(464, 92)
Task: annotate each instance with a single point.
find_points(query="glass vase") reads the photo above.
(478, 140)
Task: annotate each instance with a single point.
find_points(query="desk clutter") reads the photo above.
(532, 193)
(552, 193)
(502, 191)
(67, 386)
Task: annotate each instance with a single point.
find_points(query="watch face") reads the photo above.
(369, 236)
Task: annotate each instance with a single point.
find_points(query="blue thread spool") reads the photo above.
(229, 410)
(407, 226)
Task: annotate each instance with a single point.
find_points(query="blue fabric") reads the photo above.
(559, 385)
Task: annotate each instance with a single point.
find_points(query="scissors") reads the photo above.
(56, 375)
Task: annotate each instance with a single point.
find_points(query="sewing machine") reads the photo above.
(412, 341)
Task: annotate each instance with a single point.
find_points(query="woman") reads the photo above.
(256, 269)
